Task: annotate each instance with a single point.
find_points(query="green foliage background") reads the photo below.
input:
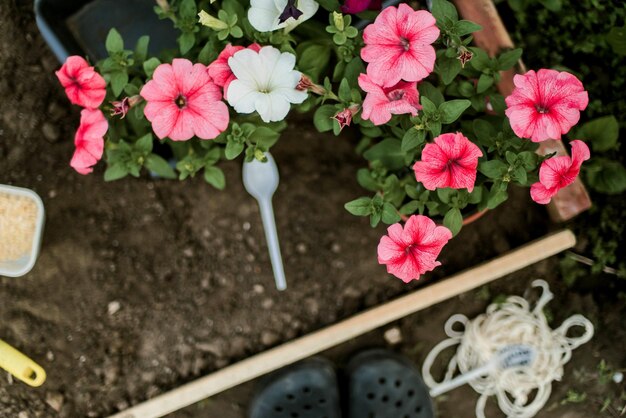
(587, 38)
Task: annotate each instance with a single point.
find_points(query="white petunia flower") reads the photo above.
(265, 82)
(265, 15)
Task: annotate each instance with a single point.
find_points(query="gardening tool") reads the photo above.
(20, 366)
(261, 180)
(514, 355)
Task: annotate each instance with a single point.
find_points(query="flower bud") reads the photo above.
(338, 20)
(122, 107)
(344, 118)
(306, 84)
(211, 22)
(164, 5)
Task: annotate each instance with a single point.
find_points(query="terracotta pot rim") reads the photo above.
(468, 219)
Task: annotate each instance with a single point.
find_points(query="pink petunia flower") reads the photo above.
(89, 140)
(450, 162)
(559, 172)
(357, 6)
(183, 102)
(398, 45)
(382, 102)
(545, 104)
(220, 72)
(83, 85)
(411, 251)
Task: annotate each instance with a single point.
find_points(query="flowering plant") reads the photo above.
(437, 137)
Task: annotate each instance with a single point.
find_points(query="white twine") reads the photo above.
(520, 391)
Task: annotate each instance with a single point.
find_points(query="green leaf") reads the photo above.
(480, 60)
(314, 59)
(428, 106)
(453, 220)
(449, 68)
(435, 128)
(484, 82)
(215, 177)
(602, 133)
(233, 149)
(493, 169)
(365, 179)
(359, 207)
(150, 65)
(264, 137)
(388, 152)
(207, 54)
(141, 48)
(186, 41)
(144, 144)
(432, 92)
(329, 5)
(465, 27)
(445, 193)
(617, 39)
(119, 80)
(496, 197)
(115, 172)
(411, 139)
(508, 59)
(390, 214)
(606, 176)
(188, 9)
(442, 9)
(552, 5)
(114, 42)
(159, 166)
(353, 69)
(236, 32)
(322, 119)
(452, 110)
(410, 208)
(345, 92)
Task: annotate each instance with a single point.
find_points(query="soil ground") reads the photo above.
(143, 285)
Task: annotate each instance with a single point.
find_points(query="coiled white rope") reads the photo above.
(520, 391)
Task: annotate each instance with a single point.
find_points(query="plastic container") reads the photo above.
(80, 27)
(24, 262)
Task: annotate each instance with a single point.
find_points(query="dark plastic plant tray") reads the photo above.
(80, 27)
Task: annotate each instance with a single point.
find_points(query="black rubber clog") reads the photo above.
(383, 384)
(304, 390)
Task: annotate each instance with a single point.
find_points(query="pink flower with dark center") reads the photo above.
(545, 104)
(357, 6)
(382, 102)
(89, 140)
(83, 85)
(220, 72)
(183, 102)
(411, 251)
(450, 162)
(559, 172)
(398, 45)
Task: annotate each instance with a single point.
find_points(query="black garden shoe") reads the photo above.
(304, 390)
(384, 384)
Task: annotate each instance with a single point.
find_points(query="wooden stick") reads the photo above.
(343, 331)
(493, 38)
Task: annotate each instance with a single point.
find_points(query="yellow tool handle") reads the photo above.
(21, 366)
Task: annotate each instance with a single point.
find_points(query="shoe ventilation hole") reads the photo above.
(307, 407)
(294, 415)
(385, 398)
(278, 408)
(418, 409)
(406, 416)
(410, 393)
(398, 404)
(370, 396)
(322, 401)
(382, 380)
(398, 383)
(290, 397)
(306, 389)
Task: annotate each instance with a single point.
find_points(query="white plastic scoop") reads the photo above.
(261, 181)
(514, 355)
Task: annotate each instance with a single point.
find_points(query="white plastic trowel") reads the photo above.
(261, 181)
